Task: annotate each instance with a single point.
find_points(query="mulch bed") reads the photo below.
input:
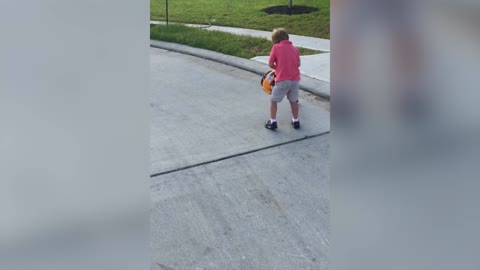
(295, 10)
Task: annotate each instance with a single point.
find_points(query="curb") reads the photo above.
(307, 84)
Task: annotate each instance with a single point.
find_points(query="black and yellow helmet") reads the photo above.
(268, 81)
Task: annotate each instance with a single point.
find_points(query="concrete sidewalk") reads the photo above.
(226, 192)
(314, 66)
(300, 41)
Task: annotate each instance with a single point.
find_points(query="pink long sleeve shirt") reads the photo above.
(286, 59)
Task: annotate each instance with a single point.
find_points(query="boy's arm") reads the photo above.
(298, 55)
(272, 60)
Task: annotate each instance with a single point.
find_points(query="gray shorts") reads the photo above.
(282, 88)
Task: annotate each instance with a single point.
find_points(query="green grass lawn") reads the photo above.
(226, 43)
(246, 14)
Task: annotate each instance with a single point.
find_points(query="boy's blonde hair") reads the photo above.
(279, 34)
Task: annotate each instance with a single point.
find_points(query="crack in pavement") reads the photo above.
(306, 137)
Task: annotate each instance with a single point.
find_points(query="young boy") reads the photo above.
(285, 60)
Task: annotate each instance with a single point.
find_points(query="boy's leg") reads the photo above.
(273, 109)
(295, 121)
(278, 93)
(272, 122)
(293, 98)
(294, 106)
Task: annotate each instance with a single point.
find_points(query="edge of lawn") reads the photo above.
(222, 42)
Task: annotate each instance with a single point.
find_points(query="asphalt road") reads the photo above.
(226, 192)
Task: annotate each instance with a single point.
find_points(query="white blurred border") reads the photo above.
(405, 134)
(74, 140)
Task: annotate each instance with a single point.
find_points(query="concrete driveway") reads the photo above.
(228, 193)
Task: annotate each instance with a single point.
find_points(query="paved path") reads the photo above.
(228, 193)
(315, 66)
(313, 43)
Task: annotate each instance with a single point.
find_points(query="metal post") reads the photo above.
(166, 5)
